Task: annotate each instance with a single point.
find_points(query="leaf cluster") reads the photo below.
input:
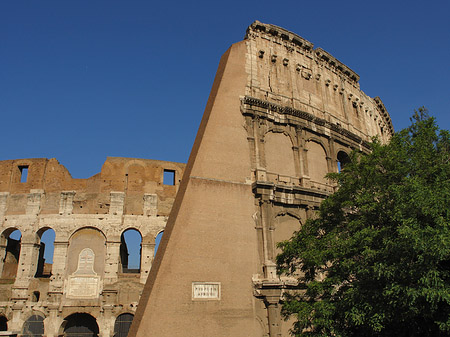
(376, 260)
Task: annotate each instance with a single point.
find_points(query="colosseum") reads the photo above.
(280, 116)
(90, 285)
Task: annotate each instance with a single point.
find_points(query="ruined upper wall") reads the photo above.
(294, 78)
(131, 177)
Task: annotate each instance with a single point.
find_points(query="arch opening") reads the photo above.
(122, 325)
(13, 239)
(33, 326)
(80, 324)
(46, 249)
(343, 159)
(158, 241)
(130, 251)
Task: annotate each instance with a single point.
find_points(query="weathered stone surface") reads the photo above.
(88, 274)
(280, 115)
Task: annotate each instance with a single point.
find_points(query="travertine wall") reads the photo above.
(280, 115)
(88, 216)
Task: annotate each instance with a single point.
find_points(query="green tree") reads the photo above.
(376, 260)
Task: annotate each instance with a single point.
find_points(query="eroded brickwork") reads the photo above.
(89, 273)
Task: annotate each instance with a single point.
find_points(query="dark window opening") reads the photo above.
(3, 323)
(343, 159)
(169, 177)
(35, 297)
(122, 325)
(23, 173)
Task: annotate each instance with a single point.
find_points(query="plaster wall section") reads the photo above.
(89, 272)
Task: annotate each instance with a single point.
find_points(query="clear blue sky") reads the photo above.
(82, 80)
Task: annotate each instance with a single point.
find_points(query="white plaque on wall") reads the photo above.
(83, 287)
(206, 290)
(84, 282)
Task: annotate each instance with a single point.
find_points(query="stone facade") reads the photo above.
(89, 274)
(280, 116)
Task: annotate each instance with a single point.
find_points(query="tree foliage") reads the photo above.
(376, 260)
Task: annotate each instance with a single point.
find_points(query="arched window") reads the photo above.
(157, 241)
(12, 237)
(86, 265)
(46, 248)
(343, 159)
(122, 325)
(33, 326)
(279, 154)
(130, 251)
(35, 296)
(317, 162)
(3, 323)
(285, 226)
(80, 324)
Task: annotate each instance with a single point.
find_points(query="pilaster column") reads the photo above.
(27, 266)
(106, 322)
(2, 255)
(59, 266)
(150, 204)
(112, 261)
(147, 253)
(52, 323)
(3, 204)
(34, 202)
(272, 299)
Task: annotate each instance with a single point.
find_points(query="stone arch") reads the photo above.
(342, 159)
(10, 244)
(131, 250)
(122, 324)
(85, 227)
(87, 237)
(321, 143)
(275, 128)
(262, 326)
(317, 159)
(158, 238)
(78, 324)
(34, 325)
(283, 225)
(46, 237)
(279, 154)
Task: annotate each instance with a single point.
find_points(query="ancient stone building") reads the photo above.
(90, 284)
(281, 114)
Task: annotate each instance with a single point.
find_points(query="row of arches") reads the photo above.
(74, 325)
(11, 239)
(281, 157)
